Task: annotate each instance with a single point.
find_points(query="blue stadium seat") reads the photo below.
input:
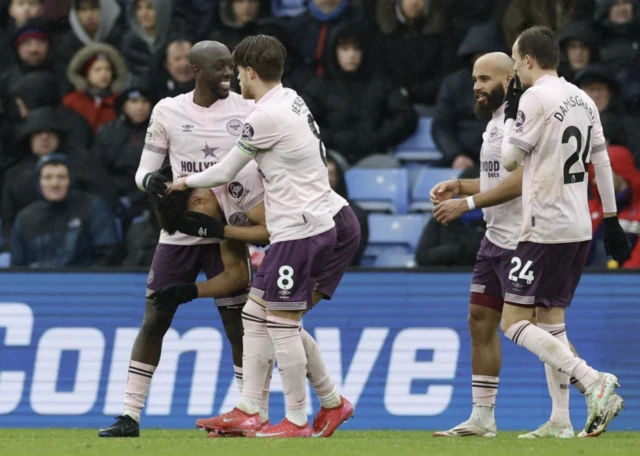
(281, 8)
(379, 190)
(395, 260)
(5, 260)
(398, 232)
(428, 177)
(420, 146)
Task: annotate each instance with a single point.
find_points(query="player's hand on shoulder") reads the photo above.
(512, 99)
(450, 210)
(173, 295)
(155, 183)
(201, 225)
(443, 191)
(616, 242)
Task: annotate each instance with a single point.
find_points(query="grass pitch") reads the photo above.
(64, 442)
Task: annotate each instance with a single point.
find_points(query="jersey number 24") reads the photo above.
(574, 132)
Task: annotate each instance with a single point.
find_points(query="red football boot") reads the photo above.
(285, 429)
(328, 419)
(234, 422)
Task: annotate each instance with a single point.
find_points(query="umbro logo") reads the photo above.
(186, 128)
(202, 232)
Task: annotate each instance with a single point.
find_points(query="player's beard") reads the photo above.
(495, 99)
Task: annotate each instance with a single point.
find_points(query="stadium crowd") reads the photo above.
(79, 78)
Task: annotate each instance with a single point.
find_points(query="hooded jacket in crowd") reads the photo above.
(18, 190)
(97, 108)
(227, 32)
(19, 68)
(118, 146)
(360, 113)
(411, 54)
(109, 31)
(628, 202)
(456, 129)
(40, 89)
(620, 52)
(139, 49)
(580, 31)
(79, 231)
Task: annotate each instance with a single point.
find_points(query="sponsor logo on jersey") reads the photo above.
(520, 118)
(236, 189)
(247, 131)
(209, 151)
(234, 127)
(151, 276)
(150, 120)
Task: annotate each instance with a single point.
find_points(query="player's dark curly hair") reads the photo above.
(264, 54)
(540, 43)
(171, 208)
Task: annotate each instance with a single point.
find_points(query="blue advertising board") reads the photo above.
(396, 343)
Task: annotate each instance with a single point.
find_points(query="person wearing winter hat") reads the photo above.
(118, 146)
(98, 73)
(65, 227)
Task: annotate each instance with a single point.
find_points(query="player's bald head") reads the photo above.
(497, 64)
(207, 51)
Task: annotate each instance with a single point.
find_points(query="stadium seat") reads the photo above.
(420, 146)
(428, 177)
(395, 260)
(5, 260)
(398, 232)
(379, 190)
(281, 8)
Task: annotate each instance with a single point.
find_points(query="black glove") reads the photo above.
(174, 295)
(512, 99)
(201, 225)
(616, 242)
(155, 183)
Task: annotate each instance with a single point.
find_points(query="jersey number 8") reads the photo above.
(316, 133)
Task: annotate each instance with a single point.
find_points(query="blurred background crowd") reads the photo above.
(388, 81)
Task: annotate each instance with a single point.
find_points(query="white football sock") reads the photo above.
(318, 374)
(484, 390)
(292, 364)
(551, 351)
(138, 382)
(256, 357)
(558, 382)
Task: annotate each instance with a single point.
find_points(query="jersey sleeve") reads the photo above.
(529, 124)
(254, 193)
(157, 138)
(599, 142)
(258, 133)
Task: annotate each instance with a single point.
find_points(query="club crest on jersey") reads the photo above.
(520, 118)
(236, 189)
(209, 151)
(234, 127)
(238, 219)
(247, 131)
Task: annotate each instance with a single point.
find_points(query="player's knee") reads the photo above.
(156, 322)
(483, 322)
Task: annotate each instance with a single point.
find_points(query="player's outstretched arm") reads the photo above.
(218, 174)
(508, 189)
(446, 190)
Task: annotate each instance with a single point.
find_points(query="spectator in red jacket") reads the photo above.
(626, 180)
(98, 73)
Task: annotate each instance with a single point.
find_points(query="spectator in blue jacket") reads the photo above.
(65, 227)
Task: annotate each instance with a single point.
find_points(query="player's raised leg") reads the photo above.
(334, 408)
(530, 286)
